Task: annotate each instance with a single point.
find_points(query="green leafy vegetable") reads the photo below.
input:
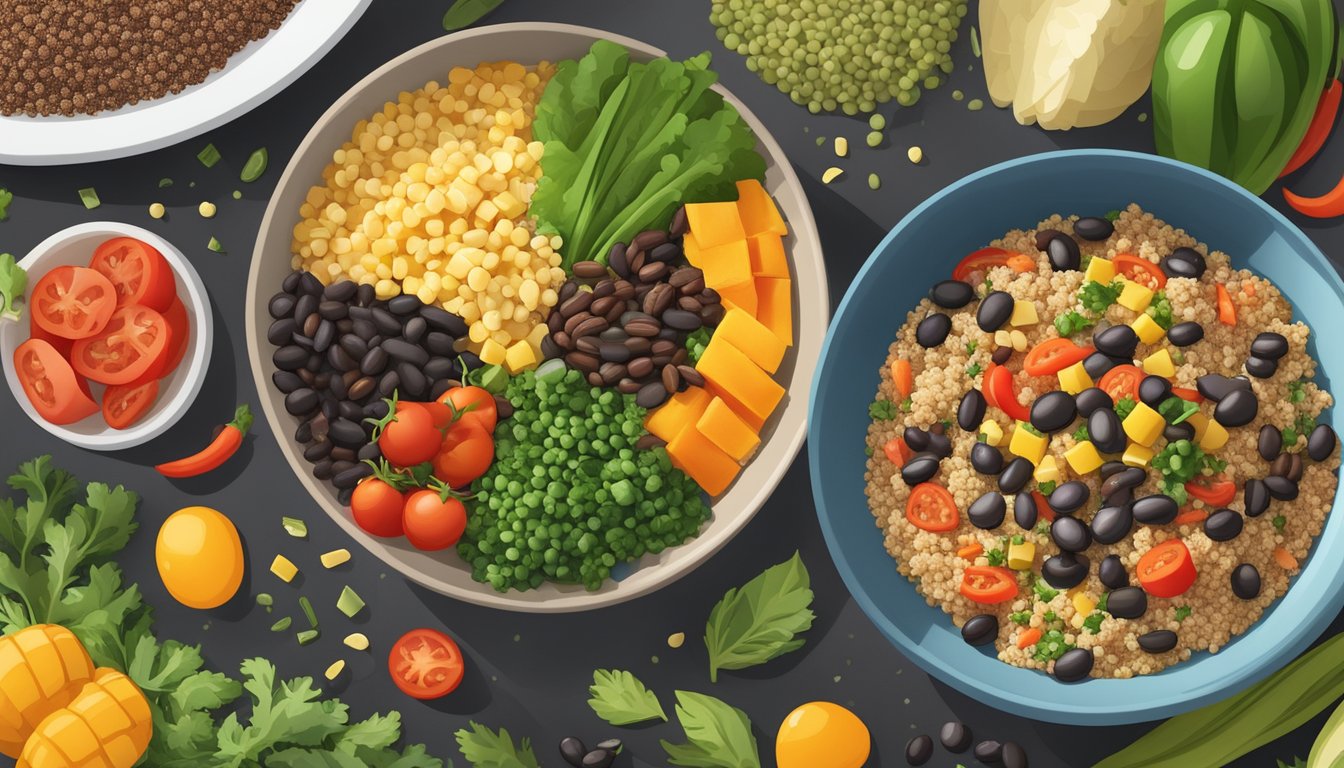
(995, 556)
(1081, 434)
(1072, 322)
(1183, 613)
(1179, 462)
(1125, 406)
(621, 699)
(1047, 487)
(1296, 393)
(761, 620)
(1160, 310)
(973, 370)
(485, 748)
(1112, 216)
(970, 346)
(1030, 428)
(1096, 297)
(1051, 646)
(208, 156)
(717, 735)
(1297, 763)
(464, 13)
(1093, 623)
(882, 410)
(1280, 522)
(13, 282)
(1021, 618)
(907, 404)
(628, 142)
(1176, 410)
(1019, 539)
(1044, 591)
(6, 197)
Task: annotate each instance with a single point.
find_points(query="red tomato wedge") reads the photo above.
(1054, 355)
(1140, 270)
(1214, 491)
(1000, 383)
(73, 302)
(58, 395)
(137, 271)
(985, 258)
(1188, 395)
(1167, 569)
(988, 584)
(1122, 381)
(1043, 507)
(134, 342)
(180, 326)
(426, 664)
(931, 508)
(126, 404)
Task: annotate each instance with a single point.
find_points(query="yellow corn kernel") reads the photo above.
(1074, 379)
(492, 353)
(1143, 425)
(993, 433)
(334, 671)
(357, 640)
(1135, 297)
(1083, 458)
(1027, 445)
(1019, 340)
(676, 640)
(831, 174)
(1159, 363)
(1024, 313)
(1100, 270)
(1084, 604)
(1137, 455)
(1003, 338)
(1147, 329)
(841, 146)
(1047, 471)
(335, 557)
(157, 211)
(284, 569)
(206, 209)
(519, 356)
(1021, 556)
(1214, 437)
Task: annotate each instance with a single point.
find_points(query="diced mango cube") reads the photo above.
(1084, 604)
(767, 255)
(741, 296)
(681, 410)
(774, 306)
(756, 341)
(1027, 445)
(1024, 313)
(728, 431)
(1143, 425)
(715, 224)
(492, 352)
(992, 431)
(1147, 329)
(1135, 297)
(1021, 556)
(690, 248)
(519, 356)
(1100, 270)
(729, 370)
(1047, 471)
(725, 265)
(1137, 455)
(284, 568)
(1214, 437)
(711, 468)
(1159, 364)
(758, 211)
(1074, 379)
(1083, 458)
(755, 421)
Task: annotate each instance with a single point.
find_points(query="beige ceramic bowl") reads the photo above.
(444, 572)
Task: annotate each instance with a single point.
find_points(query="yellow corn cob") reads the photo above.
(41, 669)
(108, 725)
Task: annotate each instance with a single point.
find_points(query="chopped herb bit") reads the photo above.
(294, 527)
(208, 156)
(975, 42)
(265, 600)
(1031, 429)
(1176, 410)
(215, 245)
(1160, 310)
(6, 197)
(1179, 462)
(907, 404)
(995, 556)
(165, 182)
(1104, 601)
(1021, 618)
(1111, 216)
(1296, 393)
(970, 346)
(1051, 646)
(349, 603)
(1046, 488)
(89, 196)
(1044, 591)
(882, 410)
(255, 165)
(1279, 522)
(1050, 616)
(1072, 322)
(1019, 539)
(1093, 623)
(821, 141)
(1214, 464)
(973, 370)
(282, 625)
(1081, 434)
(307, 636)
(1125, 406)
(1042, 528)
(868, 450)
(1183, 613)
(306, 605)
(1178, 356)
(1096, 297)
(13, 282)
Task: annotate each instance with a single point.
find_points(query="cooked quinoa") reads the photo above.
(1206, 615)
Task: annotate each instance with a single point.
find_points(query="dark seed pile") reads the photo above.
(70, 57)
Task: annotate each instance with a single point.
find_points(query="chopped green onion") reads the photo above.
(1111, 216)
(255, 165)
(975, 42)
(307, 606)
(89, 196)
(165, 182)
(215, 245)
(307, 636)
(294, 527)
(237, 194)
(208, 156)
(282, 625)
(265, 600)
(975, 105)
(349, 602)
(1279, 523)
(1183, 613)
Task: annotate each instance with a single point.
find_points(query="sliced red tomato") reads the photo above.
(52, 386)
(1188, 395)
(1167, 570)
(1215, 490)
(1054, 355)
(897, 451)
(931, 508)
(138, 271)
(426, 664)
(984, 383)
(1043, 508)
(135, 341)
(988, 584)
(1140, 270)
(61, 343)
(73, 302)
(180, 325)
(125, 404)
(1122, 381)
(1000, 383)
(986, 258)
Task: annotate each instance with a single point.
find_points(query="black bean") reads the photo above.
(1127, 603)
(598, 758)
(354, 345)
(386, 323)
(413, 382)
(1111, 468)
(971, 410)
(1184, 262)
(341, 360)
(404, 305)
(374, 362)
(1158, 509)
(1112, 572)
(932, 330)
(337, 386)
(1092, 399)
(573, 750)
(1044, 236)
(651, 395)
(916, 439)
(980, 629)
(952, 294)
(1237, 409)
(322, 470)
(1246, 581)
(286, 381)
(443, 320)
(987, 511)
(1255, 495)
(1158, 641)
(326, 334)
(1112, 524)
(1014, 477)
(317, 451)
(1106, 431)
(414, 330)
(1153, 390)
(1280, 488)
(1097, 364)
(1001, 355)
(994, 311)
(349, 410)
(310, 285)
(377, 410)
(1261, 368)
(281, 331)
(939, 444)
(342, 291)
(406, 352)
(281, 306)
(439, 368)
(314, 361)
(1053, 411)
(1269, 345)
(1024, 511)
(920, 468)
(364, 295)
(1093, 228)
(1183, 431)
(1013, 755)
(989, 752)
(1070, 534)
(1064, 254)
(347, 433)
(290, 358)
(301, 340)
(1223, 525)
(333, 310)
(1185, 334)
(1065, 570)
(291, 282)
(349, 478)
(1269, 443)
(1321, 442)
(955, 736)
(1116, 341)
(1074, 665)
(986, 459)
(363, 328)
(388, 384)
(301, 402)
(1069, 497)
(919, 750)
(1216, 386)
(370, 452)
(304, 308)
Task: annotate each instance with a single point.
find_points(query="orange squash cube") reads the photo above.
(714, 223)
(728, 431)
(774, 306)
(730, 371)
(725, 265)
(681, 410)
(690, 247)
(707, 465)
(767, 255)
(741, 297)
(753, 338)
(758, 211)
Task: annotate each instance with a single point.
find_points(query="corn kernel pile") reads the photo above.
(429, 198)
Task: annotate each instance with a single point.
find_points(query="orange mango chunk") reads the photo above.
(767, 255)
(725, 265)
(694, 454)
(753, 338)
(728, 431)
(715, 223)
(681, 410)
(774, 306)
(741, 297)
(729, 370)
(757, 210)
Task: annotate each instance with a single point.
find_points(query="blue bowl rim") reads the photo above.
(1179, 699)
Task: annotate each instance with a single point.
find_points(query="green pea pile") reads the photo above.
(850, 55)
(569, 496)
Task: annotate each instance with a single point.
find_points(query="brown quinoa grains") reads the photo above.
(70, 57)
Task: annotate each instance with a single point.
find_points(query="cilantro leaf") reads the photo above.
(1183, 613)
(1125, 406)
(1021, 618)
(882, 410)
(621, 699)
(13, 282)
(717, 735)
(973, 370)
(287, 713)
(760, 620)
(1096, 297)
(485, 748)
(1072, 322)
(1159, 309)
(1081, 434)
(1044, 591)
(995, 556)
(1047, 487)
(1093, 623)
(1176, 410)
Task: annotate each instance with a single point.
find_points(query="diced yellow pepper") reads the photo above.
(284, 569)
(492, 352)
(1047, 470)
(1084, 604)
(357, 640)
(1023, 443)
(993, 432)
(1143, 424)
(1135, 297)
(1024, 313)
(335, 557)
(1159, 364)
(1137, 455)
(1083, 458)
(1074, 379)
(519, 356)
(1100, 270)
(1201, 424)
(1147, 329)
(1021, 556)
(1214, 437)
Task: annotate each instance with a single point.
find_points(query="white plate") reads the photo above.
(74, 246)
(445, 572)
(254, 74)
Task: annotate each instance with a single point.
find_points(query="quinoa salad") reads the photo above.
(1096, 446)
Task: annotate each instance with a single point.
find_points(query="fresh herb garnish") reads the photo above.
(717, 734)
(1111, 216)
(464, 13)
(1296, 392)
(760, 620)
(1176, 410)
(1021, 618)
(1280, 522)
(1096, 297)
(1183, 613)
(907, 404)
(867, 450)
(1081, 435)
(621, 699)
(974, 370)
(1031, 429)
(1125, 406)
(1160, 310)
(485, 748)
(1042, 528)
(1047, 487)
(882, 410)
(1178, 461)
(6, 197)
(1093, 623)
(1072, 322)
(1019, 539)
(13, 282)
(1043, 590)
(995, 556)
(1104, 601)
(971, 345)
(1051, 646)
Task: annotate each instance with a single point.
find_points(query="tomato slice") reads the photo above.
(1000, 383)
(984, 383)
(1140, 270)
(1188, 395)
(988, 584)
(180, 325)
(61, 343)
(1215, 491)
(897, 451)
(126, 404)
(73, 302)
(1043, 508)
(426, 664)
(931, 508)
(1122, 381)
(134, 342)
(58, 395)
(137, 271)
(1167, 569)
(985, 258)
(1054, 355)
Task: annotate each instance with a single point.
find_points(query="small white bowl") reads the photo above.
(74, 247)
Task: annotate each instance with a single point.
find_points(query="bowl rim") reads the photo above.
(710, 540)
(193, 366)
(1176, 698)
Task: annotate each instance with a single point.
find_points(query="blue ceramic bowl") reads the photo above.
(922, 250)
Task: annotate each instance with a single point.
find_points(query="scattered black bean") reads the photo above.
(1158, 641)
(952, 294)
(1106, 431)
(1112, 572)
(1185, 334)
(1069, 497)
(1246, 581)
(980, 629)
(932, 330)
(1127, 603)
(1065, 570)
(1097, 364)
(599, 758)
(1183, 431)
(1158, 509)
(1281, 488)
(1015, 475)
(1070, 534)
(987, 512)
(1024, 511)
(971, 410)
(572, 751)
(1216, 386)
(986, 459)
(1223, 525)
(919, 750)
(1153, 390)
(1237, 409)
(1184, 262)
(1116, 341)
(1074, 665)
(1013, 755)
(1093, 228)
(989, 752)
(1261, 368)
(1256, 497)
(1064, 254)
(1112, 524)
(920, 468)
(1321, 442)
(1092, 399)
(1001, 355)
(1269, 345)
(1053, 411)
(955, 736)
(994, 311)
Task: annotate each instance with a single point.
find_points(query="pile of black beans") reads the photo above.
(602, 756)
(956, 738)
(340, 352)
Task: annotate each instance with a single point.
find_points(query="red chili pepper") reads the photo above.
(225, 444)
(1327, 206)
(1322, 123)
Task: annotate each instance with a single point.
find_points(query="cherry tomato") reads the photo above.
(426, 664)
(133, 343)
(180, 324)
(410, 437)
(1140, 270)
(988, 584)
(1054, 355)
(377, 508)
(1214, 491)
(1000, 383)
(931, 508)
(431, 522)
(1122, 381)
(985, 258)
(1167, 569)
(125, 404)
(467, 453)
(475, 404)
(51, 384)
(73, 302)
(137, 271)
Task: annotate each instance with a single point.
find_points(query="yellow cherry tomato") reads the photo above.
(822, 735)
(200, 557)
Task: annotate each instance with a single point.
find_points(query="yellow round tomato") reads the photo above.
(200, 557)
(822, 735)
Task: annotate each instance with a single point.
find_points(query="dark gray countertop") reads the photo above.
(525, 672)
